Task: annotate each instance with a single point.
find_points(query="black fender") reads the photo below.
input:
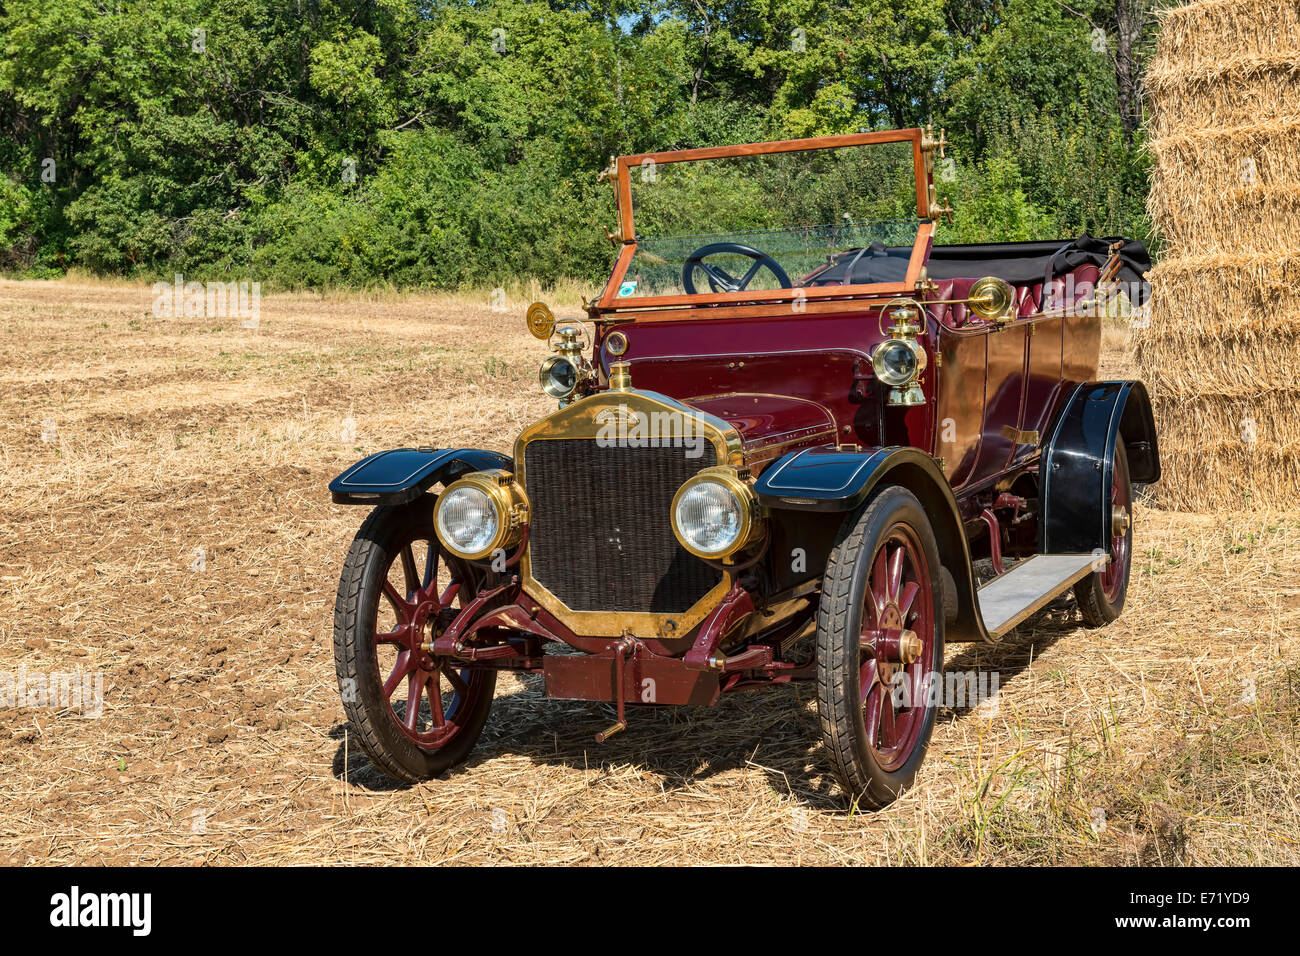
(1078, 463)
(830, 479)
(403, 474)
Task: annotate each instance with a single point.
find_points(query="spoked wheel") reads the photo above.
(1101, 594)
(880, 646)
(413, 714)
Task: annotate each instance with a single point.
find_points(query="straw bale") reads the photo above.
(1229, 190)
(1240, 89)
(1236, 295)
(1175, 360)
(1263, 417)
(1219, 347)
(1226, 474)
(1201, 34)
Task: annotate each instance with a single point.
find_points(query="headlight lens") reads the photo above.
(895, 362)
(558, 377)
(467, 521)
(709, 517)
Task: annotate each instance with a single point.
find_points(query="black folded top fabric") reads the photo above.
(1019, 263)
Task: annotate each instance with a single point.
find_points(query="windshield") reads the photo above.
(785, 220)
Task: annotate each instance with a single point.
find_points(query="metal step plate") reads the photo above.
(1030, 586)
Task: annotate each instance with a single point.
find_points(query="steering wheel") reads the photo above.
(722, 281)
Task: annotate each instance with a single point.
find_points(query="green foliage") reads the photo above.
(450, 143)
(991, 205)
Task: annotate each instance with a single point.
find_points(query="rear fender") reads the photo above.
(1078, 463)
(830, 479)
(403, 474)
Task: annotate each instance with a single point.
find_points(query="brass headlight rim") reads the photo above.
(913, 346)
(543, 373)
(508, 501)
(616, 343)
(752, 526)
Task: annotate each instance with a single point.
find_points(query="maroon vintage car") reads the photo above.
(795, 440)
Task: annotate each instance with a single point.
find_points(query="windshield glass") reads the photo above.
(799, 219)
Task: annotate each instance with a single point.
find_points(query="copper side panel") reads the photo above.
(959, 404)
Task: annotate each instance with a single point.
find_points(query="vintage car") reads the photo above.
(795, 440)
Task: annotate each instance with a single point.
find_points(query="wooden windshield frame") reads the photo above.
(764, 301)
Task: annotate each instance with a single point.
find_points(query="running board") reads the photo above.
(1010, 598)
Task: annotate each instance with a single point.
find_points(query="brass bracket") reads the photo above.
(1019, 437)
(929, 144)
(937, 211)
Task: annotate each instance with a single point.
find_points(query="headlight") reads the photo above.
(715, 513)
(480, 513)
(559, 377)
(897, 362)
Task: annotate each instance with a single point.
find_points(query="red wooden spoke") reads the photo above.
(457, 682)
(430, 580)
(879, 584)
(411, 574)
(414, 691)
(888, 734)
(400, 606)
(399, 635)
(400, 669)
(435, 700)
(907, 598)
(895, 574)
(866, 681)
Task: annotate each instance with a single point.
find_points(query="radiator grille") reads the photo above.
(600, 538)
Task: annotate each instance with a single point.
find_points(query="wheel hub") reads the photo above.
(1119, 521)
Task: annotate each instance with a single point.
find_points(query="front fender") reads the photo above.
(403, 474)
(831, 479)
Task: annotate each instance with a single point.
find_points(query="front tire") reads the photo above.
(414, 715)
(874, 695)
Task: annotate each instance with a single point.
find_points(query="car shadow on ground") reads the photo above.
(772, 731)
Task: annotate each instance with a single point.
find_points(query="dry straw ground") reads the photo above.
(1222, 349)
(1168, 737)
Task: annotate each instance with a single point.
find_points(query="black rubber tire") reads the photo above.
(1094, 607)
(839, 626)
(381, 537)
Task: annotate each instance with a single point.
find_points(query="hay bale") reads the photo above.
(1231, 190)
(1206, 33)
(1220, 349)
(1238, 90)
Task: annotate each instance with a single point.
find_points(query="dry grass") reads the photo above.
(1221, 354)
(222, 739)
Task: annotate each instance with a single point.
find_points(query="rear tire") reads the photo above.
(1100, 595)
(883, 577)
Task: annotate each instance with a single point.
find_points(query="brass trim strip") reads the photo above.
(1019, 437)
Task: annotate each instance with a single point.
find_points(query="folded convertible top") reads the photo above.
(1021, 262)
(1017, 262)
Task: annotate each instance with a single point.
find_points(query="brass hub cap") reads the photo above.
(1119, 521)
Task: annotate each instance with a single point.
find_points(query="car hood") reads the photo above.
(770, 425)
